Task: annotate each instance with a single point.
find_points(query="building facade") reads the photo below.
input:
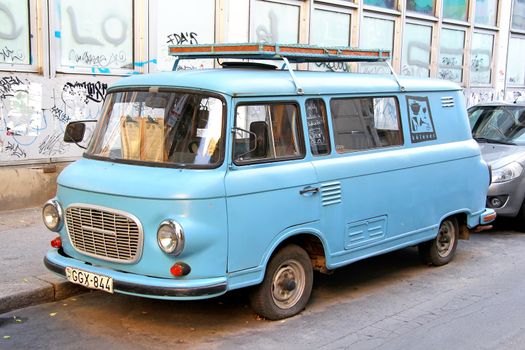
(58, 57)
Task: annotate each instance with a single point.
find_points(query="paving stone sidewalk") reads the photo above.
(24, 280)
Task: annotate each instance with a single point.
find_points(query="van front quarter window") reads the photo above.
(165, 128)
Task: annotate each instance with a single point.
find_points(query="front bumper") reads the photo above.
(139, 285)
(512, 193)
(482, 217)
(487, 216)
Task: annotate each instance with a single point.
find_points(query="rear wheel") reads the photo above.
(441, 249)
(287, 284)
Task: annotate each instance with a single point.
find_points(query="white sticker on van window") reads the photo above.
(420, 119)
(203, 133)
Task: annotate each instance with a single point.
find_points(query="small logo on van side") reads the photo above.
(420, 119)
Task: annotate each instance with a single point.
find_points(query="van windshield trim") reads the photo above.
(210, 159)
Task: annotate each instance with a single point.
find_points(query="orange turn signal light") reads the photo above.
(490, 217)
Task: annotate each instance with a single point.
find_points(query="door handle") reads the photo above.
(309, 190)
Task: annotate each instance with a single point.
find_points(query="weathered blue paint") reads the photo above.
(236, 216)
(240, 82)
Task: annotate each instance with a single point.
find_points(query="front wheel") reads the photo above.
(441, 249)
(287, 284)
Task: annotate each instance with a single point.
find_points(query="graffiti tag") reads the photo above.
(14, 32)
(89, 40)
(270, 35)
(182, 38)
(6, 86)
(14, 150)
(95, 92)
(478, 96)
(101, 61)
(52, 145)
(60, 115)
(333, 66)
(6, 54)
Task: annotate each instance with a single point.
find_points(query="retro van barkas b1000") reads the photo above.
(199, 182)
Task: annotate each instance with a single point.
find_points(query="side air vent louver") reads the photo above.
(331, 193)
(447, 101)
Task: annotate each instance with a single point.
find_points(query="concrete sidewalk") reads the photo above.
(24, 280)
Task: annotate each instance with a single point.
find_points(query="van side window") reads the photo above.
(317, 127)
(365, 123)
(267, 132)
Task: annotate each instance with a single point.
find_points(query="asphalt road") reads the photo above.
(388, 302)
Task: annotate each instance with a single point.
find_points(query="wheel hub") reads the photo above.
(288, 284)
(445, 239)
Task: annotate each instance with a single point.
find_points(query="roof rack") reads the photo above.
(289, 53)
(294, 53)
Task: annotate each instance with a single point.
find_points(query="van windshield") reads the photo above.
(177, 129)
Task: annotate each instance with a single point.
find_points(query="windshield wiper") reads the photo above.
(501, 142)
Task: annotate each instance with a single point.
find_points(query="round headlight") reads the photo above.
(170, 237)
(52, 215)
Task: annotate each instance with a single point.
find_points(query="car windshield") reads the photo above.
(498, 124)
(169, 128)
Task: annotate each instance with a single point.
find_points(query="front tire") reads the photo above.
(287, 284)
(441, 249)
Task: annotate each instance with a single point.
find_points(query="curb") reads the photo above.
(36, 290)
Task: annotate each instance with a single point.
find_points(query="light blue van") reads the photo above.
(199, 182)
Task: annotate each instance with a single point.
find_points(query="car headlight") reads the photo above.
(170, 237)
(52, 215)
(507, 172)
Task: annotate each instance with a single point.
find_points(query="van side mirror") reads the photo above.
(75, 132)
(259, 139)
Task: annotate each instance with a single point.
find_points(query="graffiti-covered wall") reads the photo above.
(35, 110)
(58, 57)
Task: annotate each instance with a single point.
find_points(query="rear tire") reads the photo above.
(441, 249)
(287, 284)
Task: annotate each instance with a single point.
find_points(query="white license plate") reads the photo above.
(89, 279)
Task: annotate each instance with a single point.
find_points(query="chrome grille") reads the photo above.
(104, 233)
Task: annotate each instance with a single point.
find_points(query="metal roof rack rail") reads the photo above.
(289, 53)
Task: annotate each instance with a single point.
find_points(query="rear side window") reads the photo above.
(365, 123)
(267, 132)
(317, 127)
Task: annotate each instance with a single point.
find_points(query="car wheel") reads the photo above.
(441, 249)
(287, 284)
